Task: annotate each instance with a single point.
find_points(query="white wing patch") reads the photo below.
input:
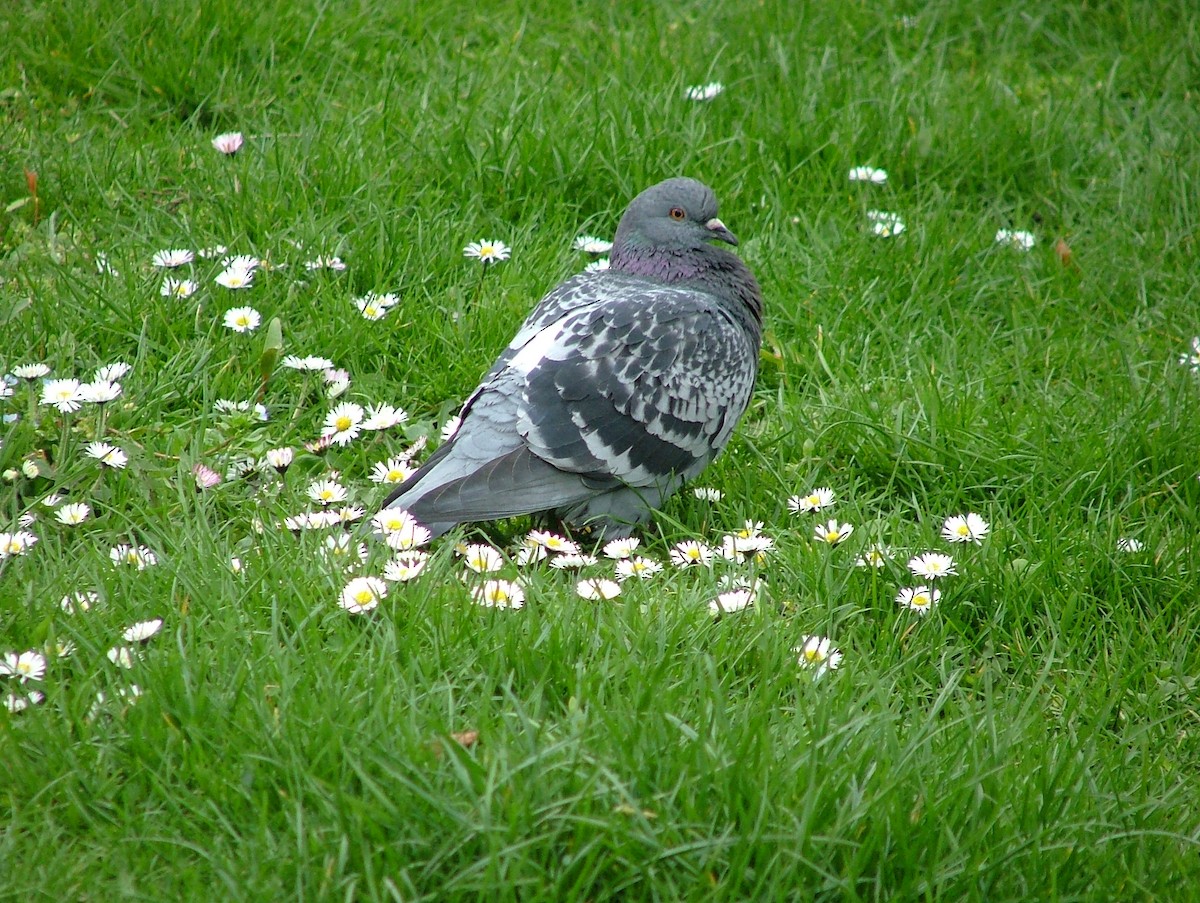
(535, 349)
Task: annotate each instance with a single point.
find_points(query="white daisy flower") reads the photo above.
(450, 428)
(247, 262)
(235, 278)
(814, 501)
(15, 702)
(63, 394)
(597, 266)
(370, 308)
(30, 372)
(817, 653)
(637, 566)
(487, 252)
(1124, 544)
(482, 558)
(327, 492)
(24, 666)
(242, 319)
(142, 631)
(134, 556)
(362, 594)
(107, 454)
(280, 458)
(325, 263)
(552, 542)
(499, 594)
(16, 543)
(932, 565)
(405, 566)
(731, 601)
(78, 601)
(833, 532)
(965, 528)
(392, 471)
(112, 372)
(704, 92)
(212, 251)
(590, 244)
(708, 494)
(101, 391)
(691, 554)
(343, 549)
(885, 224)
(104, 266)
(529, 554)
(868, 174)
(1016, 238)
(621, 548)
(597, 588)
(122, 657)
(570, 562)
(343, 423)
(920, 599)
(228, 143)
(178, 288)
(384, 417)
(73, 513)
(875, 556)
(172, 257)
(312, 362)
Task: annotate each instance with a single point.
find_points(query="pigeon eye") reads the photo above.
(676, 213)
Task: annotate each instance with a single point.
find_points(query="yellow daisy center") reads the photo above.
(343, 423)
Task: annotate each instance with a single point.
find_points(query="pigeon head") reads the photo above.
(674, 216)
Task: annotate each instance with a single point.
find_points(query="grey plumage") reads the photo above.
(619, 387)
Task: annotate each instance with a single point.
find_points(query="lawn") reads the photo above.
(1001, 327)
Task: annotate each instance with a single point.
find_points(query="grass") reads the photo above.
(1034, 737)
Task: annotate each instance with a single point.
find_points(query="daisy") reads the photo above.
(885, 224)
(487, 252)
(552, 542)
(932, 565)
(102, 391)
(597, 266)
(499, 594)
(142, 631)
(327, 492)
(235, 278)
(343, 423)
(814, 501)
(242, 319)
(30, 469)
(280, 458)
(239, 468)
(637, 566)
(1022, 241)
(691, 553)
(15, 703)
(246, 262)
(384, 417)
(621, 548)
(24, 666)
(312, 362)
(211, 252)
(107, 454)
(450, 428)
(1188, 360)
(407, 538)
(868, 174)
(590, 244)
(833, 532)
(30, 372)
(136, 556)
(707, 494)
(14, 544)
(875, 556)
(393, 470)
(368, 305)
(818, 653)
(529, 554)
(404, 567)
(172, 257)
(112, 372)
(348, 514)
(597, 588)
(965, 528)
(79, 601)
(343, 549)
(704, 92)
(1124, 544)
(63, 394)
(920, 599)
(325, 263)
(731, 601)
(570, 562)
(362, 594)
(123, 657)
(104, 266)
(482, 558)
(205, 476)
(228, 143)
(178, 288)
(73, 513)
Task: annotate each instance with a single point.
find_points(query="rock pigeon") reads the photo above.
(620, 386)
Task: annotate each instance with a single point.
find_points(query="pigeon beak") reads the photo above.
(718, 230)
